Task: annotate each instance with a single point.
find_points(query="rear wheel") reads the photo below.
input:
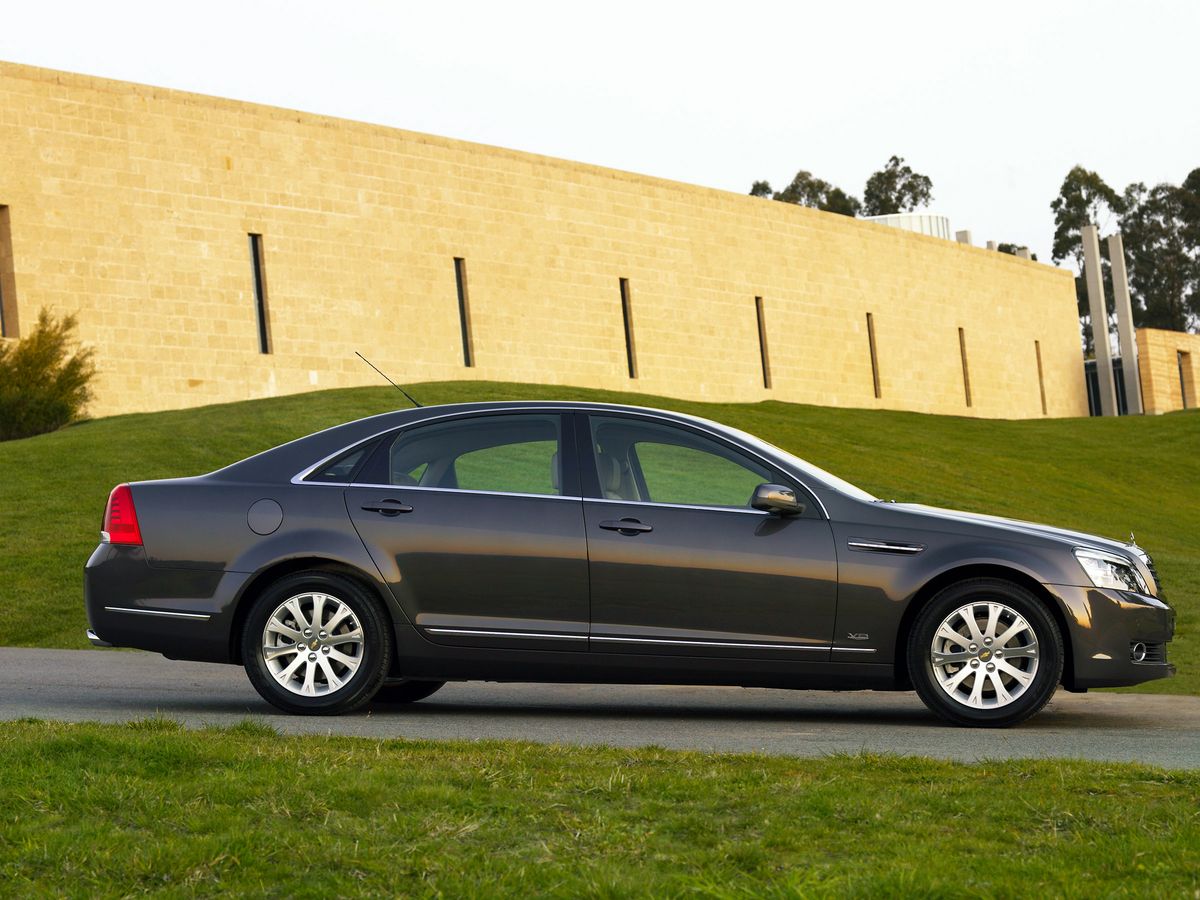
(407, 691)
(316, 643)
(985, 652)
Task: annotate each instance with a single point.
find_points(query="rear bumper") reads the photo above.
(1104, 626)
(181, 613)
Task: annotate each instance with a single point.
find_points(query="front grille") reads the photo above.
(1155, 652)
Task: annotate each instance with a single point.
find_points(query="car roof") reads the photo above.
(281, 463)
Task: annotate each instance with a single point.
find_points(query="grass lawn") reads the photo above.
(1109, 476)
(115, 810)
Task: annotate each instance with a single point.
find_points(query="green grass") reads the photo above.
(112, 810)
(1109, 476)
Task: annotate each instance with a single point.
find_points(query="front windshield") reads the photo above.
(827, 478)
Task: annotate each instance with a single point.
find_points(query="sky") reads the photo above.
(994, 102)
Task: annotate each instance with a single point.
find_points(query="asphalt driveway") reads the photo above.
(117, 686)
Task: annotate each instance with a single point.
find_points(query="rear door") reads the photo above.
(682, 565)
(476, 523)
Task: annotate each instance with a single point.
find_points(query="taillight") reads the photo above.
(120, 517)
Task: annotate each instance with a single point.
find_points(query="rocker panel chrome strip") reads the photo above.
(164, 613)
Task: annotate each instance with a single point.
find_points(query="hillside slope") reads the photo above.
(1109, 476)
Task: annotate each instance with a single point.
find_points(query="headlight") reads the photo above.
(1107, 570)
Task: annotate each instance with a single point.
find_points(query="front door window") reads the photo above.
(644, 461)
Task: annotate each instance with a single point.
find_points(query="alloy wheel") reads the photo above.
(313, 644)
(984, 655)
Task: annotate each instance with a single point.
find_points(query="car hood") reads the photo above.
(1029, 529)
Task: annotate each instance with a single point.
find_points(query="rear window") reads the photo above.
(342, 469)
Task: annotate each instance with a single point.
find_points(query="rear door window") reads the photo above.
(512, 454)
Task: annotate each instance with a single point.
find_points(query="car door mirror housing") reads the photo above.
(777, 498)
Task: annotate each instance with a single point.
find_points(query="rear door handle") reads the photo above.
(626, 526)
(388, 507)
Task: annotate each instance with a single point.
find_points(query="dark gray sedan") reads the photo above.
(576, 542)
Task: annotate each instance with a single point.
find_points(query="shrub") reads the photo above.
(43, 386)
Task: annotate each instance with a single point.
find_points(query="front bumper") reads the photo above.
(1104, 627)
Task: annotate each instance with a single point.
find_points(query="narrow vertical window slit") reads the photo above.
(1037, 348)
(464, 311)
(874, 355)
(8, 288)
(258, 268)
(762, 343)
(962, 347)
(627, 315)
(1183, 360)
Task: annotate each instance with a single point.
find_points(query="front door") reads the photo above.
(477, 526)
(682, 565)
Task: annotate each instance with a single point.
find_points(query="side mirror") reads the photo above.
(776, 498)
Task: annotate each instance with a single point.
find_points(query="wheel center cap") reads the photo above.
(985, 655)
(314, 644)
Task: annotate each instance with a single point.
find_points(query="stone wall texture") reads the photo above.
(132, 206)
(1169, 369)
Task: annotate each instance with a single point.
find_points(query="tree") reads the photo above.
(808, 190)
(1190, 207)
(1083, 199)
(43, 386)
(1159, 228)
(1012, 249)
(896, 188)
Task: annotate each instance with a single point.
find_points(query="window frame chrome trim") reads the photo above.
(299, 477)
(162, 613)
(442, 490)
(734, 509)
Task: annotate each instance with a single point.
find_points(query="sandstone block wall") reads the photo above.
(1168, 366)
(132, 206)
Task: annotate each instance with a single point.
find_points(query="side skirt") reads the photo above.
(417, 657)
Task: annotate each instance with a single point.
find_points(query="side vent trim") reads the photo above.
(868, 546)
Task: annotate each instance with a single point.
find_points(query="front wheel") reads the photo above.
(985, 653)
(316, 643)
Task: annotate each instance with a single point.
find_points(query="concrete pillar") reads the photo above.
(1124, 309)
(991, 245)
(1099, 313)
(963, 237)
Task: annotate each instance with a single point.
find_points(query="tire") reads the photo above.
(992, 670)
(339, 670)
(407, 691)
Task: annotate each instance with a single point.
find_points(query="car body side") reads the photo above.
(185, 591)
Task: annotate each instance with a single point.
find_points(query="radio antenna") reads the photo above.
(388, 380)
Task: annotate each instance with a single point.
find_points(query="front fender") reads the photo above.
(877, 589)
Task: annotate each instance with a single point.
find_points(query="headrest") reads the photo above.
(608, 467)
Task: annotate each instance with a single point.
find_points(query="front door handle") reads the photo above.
(388, 507)
(626, 526)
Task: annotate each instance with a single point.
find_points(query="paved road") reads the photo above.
(116, 686)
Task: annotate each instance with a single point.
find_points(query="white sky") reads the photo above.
(995, 102)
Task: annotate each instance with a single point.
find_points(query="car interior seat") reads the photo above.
(616, 481)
